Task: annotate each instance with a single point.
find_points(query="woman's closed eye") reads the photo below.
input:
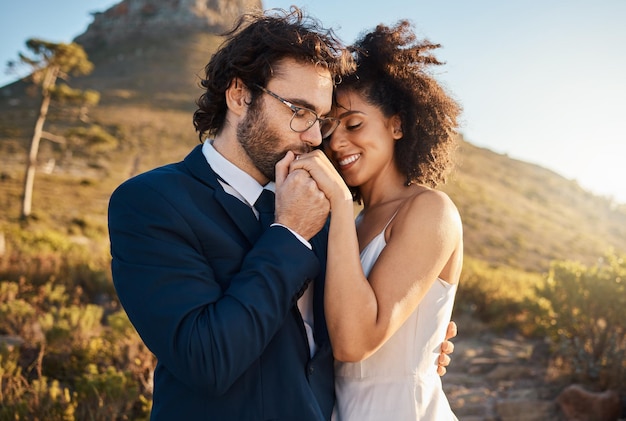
(352, 123)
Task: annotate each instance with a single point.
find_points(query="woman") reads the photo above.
(387, 312)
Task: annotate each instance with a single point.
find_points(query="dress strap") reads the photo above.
(392, 217)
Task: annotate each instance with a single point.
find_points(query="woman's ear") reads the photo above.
(237, 97)
(396, 125)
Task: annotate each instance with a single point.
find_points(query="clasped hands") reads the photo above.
(307, 187)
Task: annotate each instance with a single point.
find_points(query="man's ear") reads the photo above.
(237, 97)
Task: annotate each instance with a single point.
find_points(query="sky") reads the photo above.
(543, 81)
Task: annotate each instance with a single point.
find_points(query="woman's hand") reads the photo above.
(325, 175)
(447, 348)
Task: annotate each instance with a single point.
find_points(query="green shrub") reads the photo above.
(38, 399)
(498, 296)
(13, 384)
(67, 360)
(585, 309)
(48, 400)
(43, 256)
(93, 138)
(124, 348)
(105, 395)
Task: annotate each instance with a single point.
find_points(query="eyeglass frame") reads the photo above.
(295, 109)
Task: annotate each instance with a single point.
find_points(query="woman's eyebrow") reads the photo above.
(349, 113)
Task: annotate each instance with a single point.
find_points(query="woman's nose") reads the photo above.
(337, 139)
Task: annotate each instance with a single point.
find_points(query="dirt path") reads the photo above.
(499, 378)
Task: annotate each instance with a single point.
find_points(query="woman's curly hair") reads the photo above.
(392, 73)
(250, 52)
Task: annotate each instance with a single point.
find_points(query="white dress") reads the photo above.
(400, 381)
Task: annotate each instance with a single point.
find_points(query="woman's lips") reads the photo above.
(345, 161)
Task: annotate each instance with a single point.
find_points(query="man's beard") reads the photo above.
(259, 142)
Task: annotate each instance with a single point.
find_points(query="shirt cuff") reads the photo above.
(298, 236)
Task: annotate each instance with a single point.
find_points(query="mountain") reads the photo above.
(162, 18)
(147, 58)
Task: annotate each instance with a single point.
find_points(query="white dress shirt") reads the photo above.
(245, 188)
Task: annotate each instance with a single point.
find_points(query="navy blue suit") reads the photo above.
(214, 300)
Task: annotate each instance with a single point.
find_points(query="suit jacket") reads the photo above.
(214, 300)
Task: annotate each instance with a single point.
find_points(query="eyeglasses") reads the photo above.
(303, 118)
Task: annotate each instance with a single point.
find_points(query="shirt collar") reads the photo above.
(246, 187)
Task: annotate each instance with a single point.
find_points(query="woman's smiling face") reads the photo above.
(363, 144)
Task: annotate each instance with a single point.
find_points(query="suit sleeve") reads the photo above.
(207, 331)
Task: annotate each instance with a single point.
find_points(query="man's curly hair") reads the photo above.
(392, 74)
(251, 50)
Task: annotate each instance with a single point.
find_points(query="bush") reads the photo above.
(584, 313)
(42, 256)
(498, 296)
(105, 395)
(67, 360)
(94, 137)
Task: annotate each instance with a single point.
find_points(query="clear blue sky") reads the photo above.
(543, 81)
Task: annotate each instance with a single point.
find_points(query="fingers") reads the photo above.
(314, 162)
(447, 347)
(443, 360)
(300, 204)
(452, 330)
(282, 168)
(324, 173)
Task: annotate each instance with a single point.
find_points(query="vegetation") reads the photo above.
(499, 296)
(579, 309)
(69, 352)
(69, 361)
(584, 313)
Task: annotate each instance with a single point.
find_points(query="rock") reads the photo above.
(503, 372)
(11, 341)
(526, 410)
(578, 404)
(508, 379)
(130, 18)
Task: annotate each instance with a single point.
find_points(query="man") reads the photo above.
(221, 300)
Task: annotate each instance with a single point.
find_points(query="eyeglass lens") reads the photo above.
(303, 119)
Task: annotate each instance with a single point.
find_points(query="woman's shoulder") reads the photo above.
(426, 196)
(427, 204)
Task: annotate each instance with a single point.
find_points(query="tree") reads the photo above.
(48, 63)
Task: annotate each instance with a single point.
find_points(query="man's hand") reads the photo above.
(300, 204)
(447, 347)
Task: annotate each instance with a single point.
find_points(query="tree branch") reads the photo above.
(53, 138)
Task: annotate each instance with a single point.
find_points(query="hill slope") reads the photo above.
(515, 213)
(519, 214)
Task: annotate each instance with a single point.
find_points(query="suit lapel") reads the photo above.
(240, 213)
